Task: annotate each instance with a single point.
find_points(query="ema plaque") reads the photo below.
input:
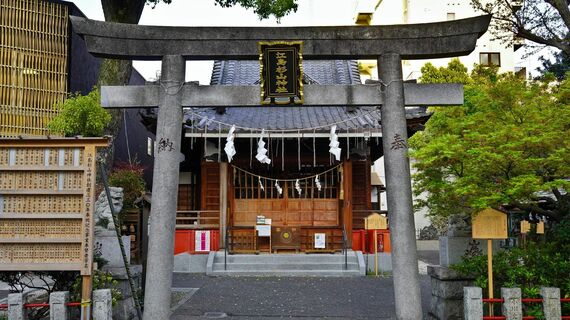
(281, 72)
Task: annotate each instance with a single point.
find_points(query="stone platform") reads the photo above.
(286, 264)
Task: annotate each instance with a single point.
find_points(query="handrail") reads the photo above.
(344, 245)
(226, 249)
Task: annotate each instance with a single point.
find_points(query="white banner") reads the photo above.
(202, 241)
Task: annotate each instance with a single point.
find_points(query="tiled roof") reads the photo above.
(296, 117)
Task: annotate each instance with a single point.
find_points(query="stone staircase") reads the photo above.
(316, 265)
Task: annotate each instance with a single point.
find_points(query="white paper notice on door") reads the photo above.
(202, 241)
(320, 241)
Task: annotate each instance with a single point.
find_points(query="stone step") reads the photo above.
(285, 266)
(285, 258)
(288, 273)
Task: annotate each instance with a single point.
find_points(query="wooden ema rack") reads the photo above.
(46, 203)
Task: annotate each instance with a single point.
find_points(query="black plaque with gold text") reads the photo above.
(281, 72)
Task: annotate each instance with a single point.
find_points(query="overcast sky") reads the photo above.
(206, 13)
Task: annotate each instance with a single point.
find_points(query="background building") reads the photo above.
(385, 12)
(41, 61)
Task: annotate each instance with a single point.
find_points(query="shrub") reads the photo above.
(130, 178)
(529, 268)
(80, 115)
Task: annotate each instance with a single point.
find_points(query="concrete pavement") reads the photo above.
(293, 298)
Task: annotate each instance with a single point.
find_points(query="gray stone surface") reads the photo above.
(190, 263)
(166, 173)
(102, 305)
(57, 305)
(384, 262)
(315, 95)
(103, 211)
(447, 292)
(411, 41)
(445, 309)
(399, 190)
(125, 307)
(451, 249)
(342, 298)
(16, 310)
(512, 306)
(297, 265)
(551, 303)
(111, 251)
(450, 290)
(473, 303)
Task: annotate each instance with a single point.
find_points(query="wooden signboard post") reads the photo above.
(490, 224)
(375, 221)
(47, 196)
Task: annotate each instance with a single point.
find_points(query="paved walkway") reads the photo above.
(293, 298)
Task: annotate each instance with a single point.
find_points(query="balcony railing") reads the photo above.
(197, 219)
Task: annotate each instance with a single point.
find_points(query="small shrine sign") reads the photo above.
(281, 72)
(375, 221)
(490, 224)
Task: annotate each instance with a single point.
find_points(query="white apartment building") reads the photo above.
(384, 12)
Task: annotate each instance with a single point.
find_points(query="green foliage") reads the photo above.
(130, 178)
(100, 280)
(507, 142)
(558, 68)
(263, 8)
(528, 268)
(80, 115)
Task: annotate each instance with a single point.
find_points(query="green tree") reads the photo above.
(545, 22)
(80, 115)
(506, 146)
(558, 68)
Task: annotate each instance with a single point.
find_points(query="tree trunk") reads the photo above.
(117, 72)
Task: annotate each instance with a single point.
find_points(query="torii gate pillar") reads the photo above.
(163, 211)
(399, 189)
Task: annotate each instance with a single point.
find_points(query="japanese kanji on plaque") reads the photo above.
(281, 72)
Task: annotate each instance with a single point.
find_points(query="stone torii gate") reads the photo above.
(388, 44)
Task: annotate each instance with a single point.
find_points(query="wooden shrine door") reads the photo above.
(255, 196)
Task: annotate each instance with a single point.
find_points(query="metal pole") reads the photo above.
(164, 190)
(399, 190)
(490, 272)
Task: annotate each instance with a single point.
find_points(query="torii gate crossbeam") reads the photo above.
(388, 44)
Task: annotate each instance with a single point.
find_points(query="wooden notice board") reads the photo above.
(490, 224)
(47, 195)
(375, 221)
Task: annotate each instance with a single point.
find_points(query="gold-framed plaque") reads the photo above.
(490, 224)
(281, 72)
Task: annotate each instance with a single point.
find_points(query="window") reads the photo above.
(490, 59)
(450, 16)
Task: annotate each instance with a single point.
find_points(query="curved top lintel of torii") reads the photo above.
(411, 41)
